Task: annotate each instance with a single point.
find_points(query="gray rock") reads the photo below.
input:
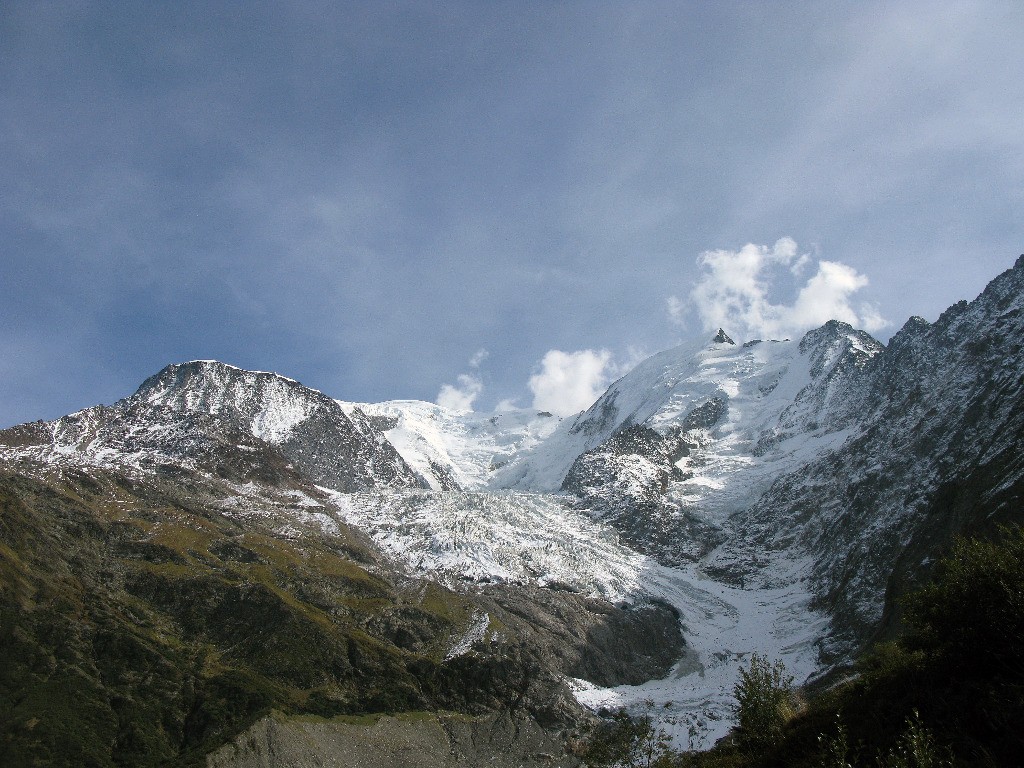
(436, 740)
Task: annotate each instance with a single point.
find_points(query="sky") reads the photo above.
(486, 204)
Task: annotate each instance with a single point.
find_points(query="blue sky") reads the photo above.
(380, 199)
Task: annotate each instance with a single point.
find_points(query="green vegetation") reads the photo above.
(949, 692)
(632, 742)
(139, 627)
(764, 703)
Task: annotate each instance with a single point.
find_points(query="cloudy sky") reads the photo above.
(483, 202)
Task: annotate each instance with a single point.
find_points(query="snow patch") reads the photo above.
(475, 634)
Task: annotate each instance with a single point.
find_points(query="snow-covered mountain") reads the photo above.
(458, 450)
(778, 494)
(207, 415)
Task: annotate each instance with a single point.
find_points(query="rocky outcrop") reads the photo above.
(722, 338)
(591, 639)
(624, 482)
(425, 740)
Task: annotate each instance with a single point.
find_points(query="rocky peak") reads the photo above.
(210, 415)
(915, 326)
(837, 348)
(267, 404)
(722, 338)
(914, 329)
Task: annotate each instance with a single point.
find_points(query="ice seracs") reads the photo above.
(455, 450)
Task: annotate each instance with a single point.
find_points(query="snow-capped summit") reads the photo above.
(209, 415)
(270, 404)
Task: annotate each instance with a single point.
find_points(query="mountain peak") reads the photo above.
(194, 372)
(722, 338)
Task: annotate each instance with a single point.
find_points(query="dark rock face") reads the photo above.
(938, 451)
(705, 416)
(346, 454)
(444, 477)
(624, 480)
(597, 468)
(839, 357)
(722, 338)
(310, 429)
(598, 418)
(587, 638)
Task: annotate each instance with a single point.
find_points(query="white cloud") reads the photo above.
(460, 397)
(734, 292)
(871, 319)
(825, 297)
(676, 309)
(569, 382)
(798, 266)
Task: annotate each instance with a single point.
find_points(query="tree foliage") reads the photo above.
(631, 742)
(764, 702)
(916, 748)
(972, 612)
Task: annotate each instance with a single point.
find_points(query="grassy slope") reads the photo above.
(139, 629)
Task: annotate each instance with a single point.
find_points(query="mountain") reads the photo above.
(229, 550)
(207, 414)
(180, 566)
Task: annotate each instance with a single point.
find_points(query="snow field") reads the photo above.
(533, 538)
(518, 538)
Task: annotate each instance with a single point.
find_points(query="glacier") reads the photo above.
(776, 493)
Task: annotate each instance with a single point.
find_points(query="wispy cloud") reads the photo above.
(569, 382)
(461, 396)
(676, 309)
(735, 288)
(478, 358)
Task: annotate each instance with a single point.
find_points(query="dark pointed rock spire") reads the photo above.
(722, 338)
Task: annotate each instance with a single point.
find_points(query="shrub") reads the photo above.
(764, 702)
(631, 742)
(916, 748)
(835, 750)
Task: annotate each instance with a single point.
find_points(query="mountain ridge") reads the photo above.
(769, 496)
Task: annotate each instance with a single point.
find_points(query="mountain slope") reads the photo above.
(770, 496)
(836, 460)
(179, 564)
(938, 450)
